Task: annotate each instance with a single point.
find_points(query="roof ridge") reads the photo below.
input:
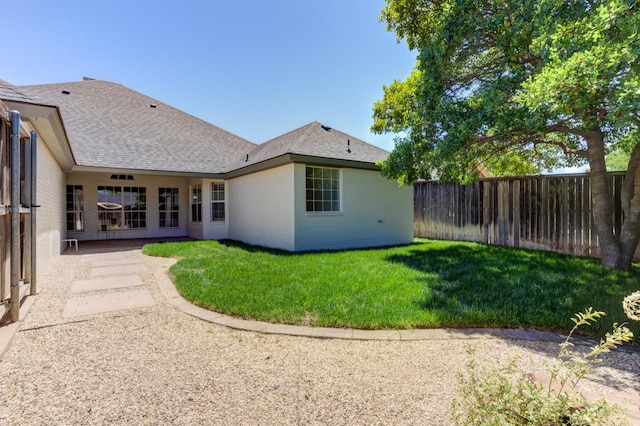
(303, 135)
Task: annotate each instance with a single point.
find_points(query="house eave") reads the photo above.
(298, 158)
(46, 120)
(4, 111)
(111, 170)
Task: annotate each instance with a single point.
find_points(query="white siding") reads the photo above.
(90, 183)
(375, 212)
(50, 217)
(261, 208)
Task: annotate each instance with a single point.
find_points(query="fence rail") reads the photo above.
(542, 212)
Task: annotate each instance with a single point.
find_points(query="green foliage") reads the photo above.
(497, 80)
(506, 395)
(617, 161)
(426, 284)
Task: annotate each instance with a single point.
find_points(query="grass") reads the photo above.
(421, 285)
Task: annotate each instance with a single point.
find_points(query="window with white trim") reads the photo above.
(196, 203)
(169, 207)
(322, 189)
(75, 208)
(217, 202)
(122, 207)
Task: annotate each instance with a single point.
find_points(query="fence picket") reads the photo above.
(541, 212)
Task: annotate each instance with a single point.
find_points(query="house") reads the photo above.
(113, 163)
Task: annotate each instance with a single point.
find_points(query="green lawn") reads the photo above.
(425, 284)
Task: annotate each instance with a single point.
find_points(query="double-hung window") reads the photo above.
(217, 202)
(75, 208)
(322, 189)
(196, 203)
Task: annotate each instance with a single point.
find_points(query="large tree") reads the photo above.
(539, 82)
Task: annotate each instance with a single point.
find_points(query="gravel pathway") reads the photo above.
(157, 365)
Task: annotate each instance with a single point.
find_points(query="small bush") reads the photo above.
(507, 395)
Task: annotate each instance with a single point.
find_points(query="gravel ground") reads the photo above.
(158, 365)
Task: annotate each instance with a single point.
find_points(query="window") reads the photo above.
(75, 208)
(196, 203)
(323, 189)
(122, 207)
(169, 207)
(217, 202)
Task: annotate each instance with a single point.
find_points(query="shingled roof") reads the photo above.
(9, 92)
(112, 126)
(316, 140)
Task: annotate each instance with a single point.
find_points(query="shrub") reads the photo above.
(507, 395)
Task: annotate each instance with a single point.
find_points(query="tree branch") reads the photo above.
(563, 128)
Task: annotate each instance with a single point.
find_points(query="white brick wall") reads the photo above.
(269, 209)
(266, 208)
(375, 212)
(261, 208)
(50, 217)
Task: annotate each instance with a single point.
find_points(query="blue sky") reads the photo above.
(256, 68)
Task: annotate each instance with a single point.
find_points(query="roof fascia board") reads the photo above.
(256, 167)
(297, 158)
(110, 170)
(4, 111)
(334, 162)
(47, 122)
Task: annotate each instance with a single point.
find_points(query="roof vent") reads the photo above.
(88, 78)
(121, 177)
(348, 146)
(246, 159)
(153, 105)
(325, 128)
(65, 92)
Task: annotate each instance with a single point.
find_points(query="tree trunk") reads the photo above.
(610, 250)
(630, 232)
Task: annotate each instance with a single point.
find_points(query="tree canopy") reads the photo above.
(509, 83)
(519, 86)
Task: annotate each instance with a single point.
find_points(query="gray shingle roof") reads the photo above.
(9, 92)
(110, 125)
(316, 140)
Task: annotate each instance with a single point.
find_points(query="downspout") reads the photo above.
(33, 209)
(25, 199)
(15, 216)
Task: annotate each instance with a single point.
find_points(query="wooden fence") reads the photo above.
(542, 212)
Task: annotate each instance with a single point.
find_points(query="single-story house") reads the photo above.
(113, 163)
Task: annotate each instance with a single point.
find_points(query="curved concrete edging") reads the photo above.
(168, 289)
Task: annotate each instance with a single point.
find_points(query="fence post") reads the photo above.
(15, 216)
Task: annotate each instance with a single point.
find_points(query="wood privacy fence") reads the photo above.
(541, 212)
